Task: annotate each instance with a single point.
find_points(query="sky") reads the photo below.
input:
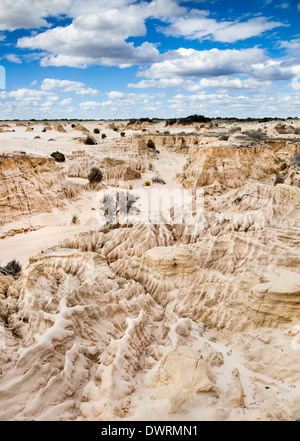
(99, 59)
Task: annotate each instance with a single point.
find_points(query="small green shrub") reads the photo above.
(58, 156)
(151, 144)
(90, 140)
(103, 136)
(75, 218)
(95, 175)
(96, 131)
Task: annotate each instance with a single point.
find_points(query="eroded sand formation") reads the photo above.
(150, 321)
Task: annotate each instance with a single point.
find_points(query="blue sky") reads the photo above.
(157, 58)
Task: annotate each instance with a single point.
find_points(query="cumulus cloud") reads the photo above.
(99, 30)
(96, 38)
(23, 95)
(29, 14)
(50, 84)
(253, 62)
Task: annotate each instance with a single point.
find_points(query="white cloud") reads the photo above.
(184, 63)
(96, 38)
(90, 105)
(197, 26)
(29, 14)
(221, 83)
(13, 58)
(23, 95)
(283, 5)
(66, 102)
(50, 84)
(115, 95)
(99, 30)
(192, 63)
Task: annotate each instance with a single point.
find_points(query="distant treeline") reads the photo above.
(169, 122)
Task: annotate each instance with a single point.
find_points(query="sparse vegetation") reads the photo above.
(74, 218)
(147, 182)
(95, 175)
(96, 131)
(188, 120)
(158, 180)
(13, 268)
(103, 136)
(58, 156)
(151, 144)
(90, 140)
(279, 179)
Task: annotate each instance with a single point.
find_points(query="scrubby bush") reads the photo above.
(147, 182)
(158, 180)
(58, 156)
(13, 268)
(73, 125)
(122, 134)
(151, 144)
(90, 140)
(103, 136)
(279, 179)
(295, 159)
(96, 131)
(95, 175)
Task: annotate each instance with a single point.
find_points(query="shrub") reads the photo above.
(158, 180)
(90, 140)
(151, 144)
(279, 179)
(103, 136)
(295, 159)
(58, 156)
(73, 125)
(13, 268)
(150, 166)
(95, 175)
(75, 218)
(122, 134)
(115, 129)
(147, 182)
(96, 131)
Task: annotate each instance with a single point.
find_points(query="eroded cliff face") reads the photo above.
(231, 167)
(155, 322)
(30, 185)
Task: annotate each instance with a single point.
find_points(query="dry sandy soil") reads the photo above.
(168, 312)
